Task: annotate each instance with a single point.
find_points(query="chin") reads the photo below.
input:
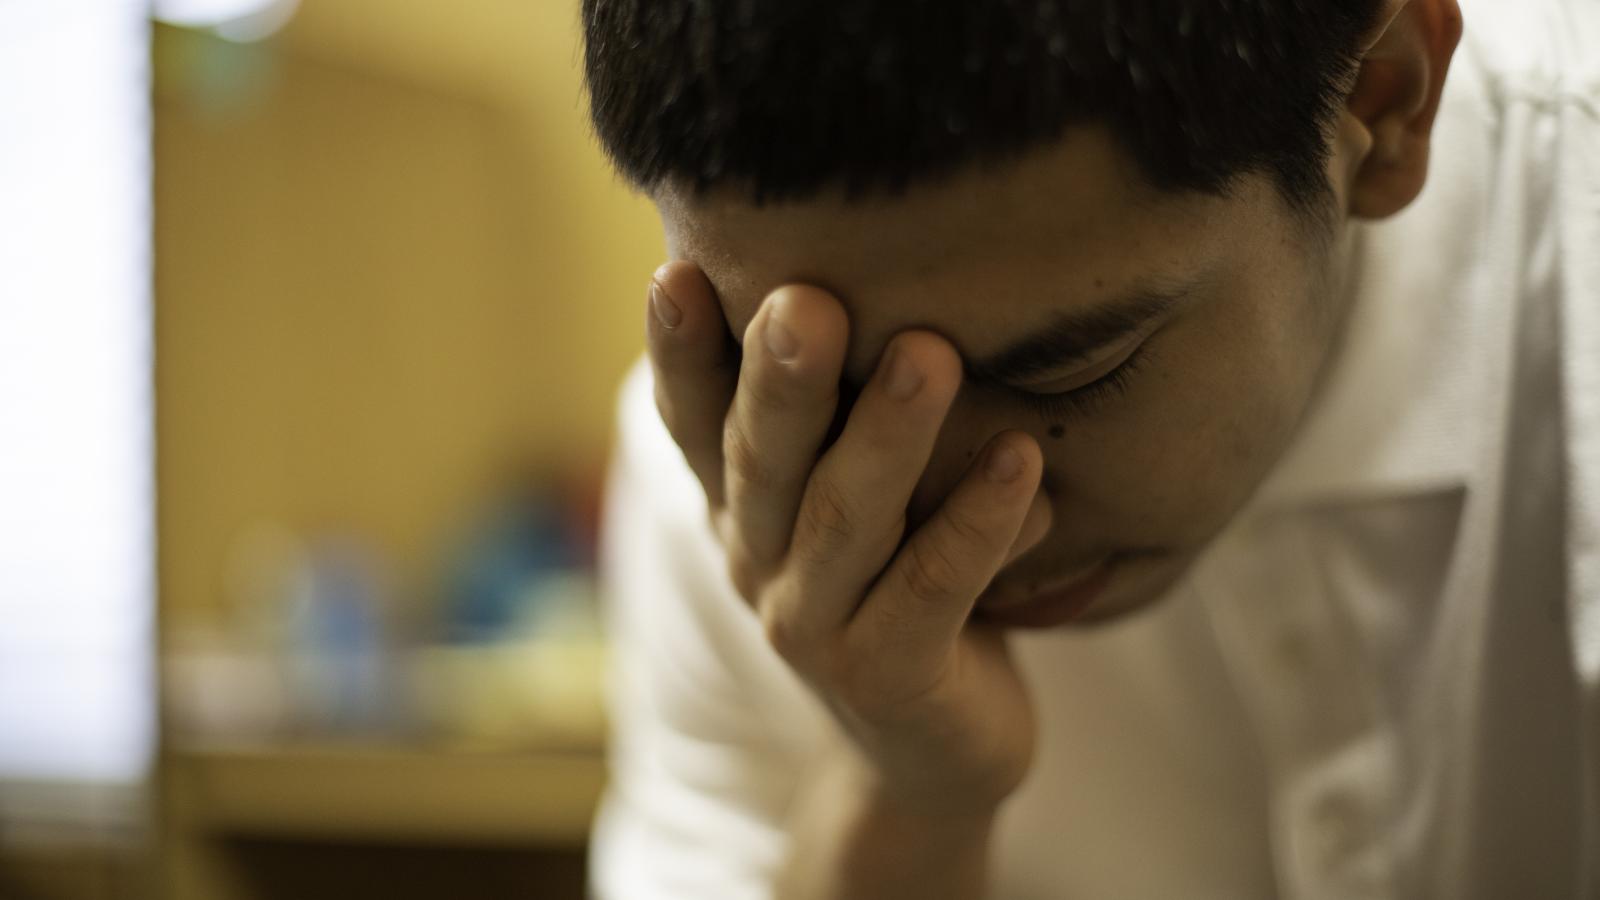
(1127, 583)
(1147, 584)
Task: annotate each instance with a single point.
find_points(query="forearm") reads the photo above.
(848, 841)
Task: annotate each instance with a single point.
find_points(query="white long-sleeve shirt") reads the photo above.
(1382, 681)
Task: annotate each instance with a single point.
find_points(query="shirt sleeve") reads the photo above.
(709, 730)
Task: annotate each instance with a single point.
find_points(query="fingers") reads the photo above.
(1034, 527)
(695, 362)
(922, 601)
(751, 427)
(853, 512)
(788, 389)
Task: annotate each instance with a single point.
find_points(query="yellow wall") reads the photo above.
(384, 276)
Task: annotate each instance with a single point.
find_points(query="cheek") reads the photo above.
(1215, 415)
(1175, 488)
(972, 423)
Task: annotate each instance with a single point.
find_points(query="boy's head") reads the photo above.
(1126, 216)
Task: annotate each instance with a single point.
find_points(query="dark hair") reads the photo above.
(784, 98)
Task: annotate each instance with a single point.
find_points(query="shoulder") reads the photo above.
(646, 454)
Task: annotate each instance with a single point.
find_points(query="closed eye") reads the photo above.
(1088, 398)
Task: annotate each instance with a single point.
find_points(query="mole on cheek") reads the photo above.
(1057, 431)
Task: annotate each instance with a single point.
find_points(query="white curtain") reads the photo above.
(77, 544)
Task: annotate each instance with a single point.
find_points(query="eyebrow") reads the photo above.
(1073, 337)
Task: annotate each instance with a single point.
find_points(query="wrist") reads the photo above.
(889, 834)
(854, 837)
(928, 806)
(930, 826)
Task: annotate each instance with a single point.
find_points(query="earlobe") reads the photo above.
(1395, 99)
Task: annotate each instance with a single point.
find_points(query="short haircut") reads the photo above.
(783, 99)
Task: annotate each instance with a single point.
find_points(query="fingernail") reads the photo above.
(1004, 464)
(904, 379)
(781, 342)
(666, 311)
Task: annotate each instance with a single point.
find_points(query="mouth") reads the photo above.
(1055, 603)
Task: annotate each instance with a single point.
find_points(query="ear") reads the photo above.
(1388, 118)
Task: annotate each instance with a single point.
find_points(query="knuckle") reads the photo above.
(769, 390)
(931, 572)
(829, 523)
(965, 531)
(743, 458)
(782, 634)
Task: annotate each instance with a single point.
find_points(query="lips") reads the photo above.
(1055, 604)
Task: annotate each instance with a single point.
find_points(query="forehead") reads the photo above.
(983, 257)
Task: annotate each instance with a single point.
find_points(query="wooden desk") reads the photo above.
(368, 794)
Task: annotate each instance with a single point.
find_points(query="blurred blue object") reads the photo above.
(492, 589)
(339, 641)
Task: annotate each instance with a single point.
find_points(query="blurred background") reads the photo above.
(311, 318)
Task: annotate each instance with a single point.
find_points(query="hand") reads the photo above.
(874, 621)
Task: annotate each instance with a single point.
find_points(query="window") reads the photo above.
(77, 707)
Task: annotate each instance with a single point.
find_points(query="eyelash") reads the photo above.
(1084, 399)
